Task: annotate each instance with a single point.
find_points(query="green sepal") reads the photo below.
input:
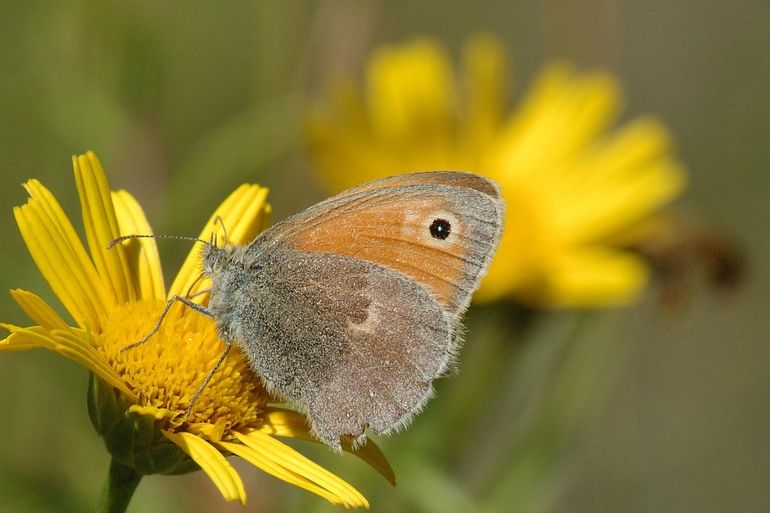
(103, 408)
(167, 458)
(133, 440)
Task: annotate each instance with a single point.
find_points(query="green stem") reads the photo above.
(118, 489)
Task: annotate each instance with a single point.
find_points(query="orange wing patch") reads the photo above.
(397, 236)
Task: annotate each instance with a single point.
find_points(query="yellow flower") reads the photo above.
(138, 398)
(575, 189)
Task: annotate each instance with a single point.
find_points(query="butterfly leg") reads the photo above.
(228, 347)
(186, 301)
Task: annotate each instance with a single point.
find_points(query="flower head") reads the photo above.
(138, 398)
(577, 193)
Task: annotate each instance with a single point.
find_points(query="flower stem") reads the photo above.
(118, 489)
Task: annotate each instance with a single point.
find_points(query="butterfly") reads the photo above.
(351, 308)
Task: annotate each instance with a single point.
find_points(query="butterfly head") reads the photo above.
(216, 259)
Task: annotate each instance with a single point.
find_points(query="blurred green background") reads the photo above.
(641, 409)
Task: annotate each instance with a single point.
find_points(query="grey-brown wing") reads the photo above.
(354, 344)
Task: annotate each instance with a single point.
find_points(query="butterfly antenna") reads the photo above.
(218, 220)
(122, 238)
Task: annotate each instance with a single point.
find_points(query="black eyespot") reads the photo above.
(440, 229)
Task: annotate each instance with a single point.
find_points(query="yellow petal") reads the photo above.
(568, 181)
(211, 461)
(60, 256)
(101, 227)
(596, 277)
(210, 432)
(611, 161)
(72, 344)
(267, 465)
(265, 219)
(630, 202)
(38, 310)
(590, 104)
(411, 91)
(288, 423)
(485, 66)
(343, 146)
(634, 179)
(143, 256)
(291, 460)
(242, 214)
(560, 115)
(151, 411)
(514, 140)
(247, 217)
(16, 342)
(412, 109)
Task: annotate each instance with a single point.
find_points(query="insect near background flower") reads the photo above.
(138, 398)
(578, 192)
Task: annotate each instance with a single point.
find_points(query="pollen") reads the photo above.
(167, 369)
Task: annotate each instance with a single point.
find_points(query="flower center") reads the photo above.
(167, 370)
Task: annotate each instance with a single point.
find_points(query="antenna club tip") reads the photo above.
(114, 242)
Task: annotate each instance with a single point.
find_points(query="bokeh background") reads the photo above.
(639, 409)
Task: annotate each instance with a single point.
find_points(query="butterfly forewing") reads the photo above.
(439, 229)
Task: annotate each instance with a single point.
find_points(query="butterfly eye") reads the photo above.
(440, 229)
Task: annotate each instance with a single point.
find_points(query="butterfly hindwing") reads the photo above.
(353, 353)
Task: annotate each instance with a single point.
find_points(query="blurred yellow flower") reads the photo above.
(138, 398)
(577, 191)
